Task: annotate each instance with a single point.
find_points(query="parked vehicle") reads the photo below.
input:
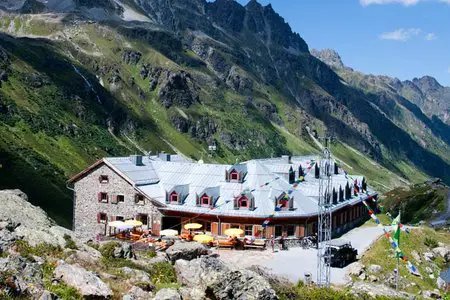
(341, 253)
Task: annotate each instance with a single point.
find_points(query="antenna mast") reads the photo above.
(324, 215)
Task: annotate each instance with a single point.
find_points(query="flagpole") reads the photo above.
(398, 258)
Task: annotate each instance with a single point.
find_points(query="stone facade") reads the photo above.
(88, 205)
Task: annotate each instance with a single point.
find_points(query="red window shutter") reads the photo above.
(98, 217)
(99, 178)
(99, 197)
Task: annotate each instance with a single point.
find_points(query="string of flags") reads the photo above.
(393, 241)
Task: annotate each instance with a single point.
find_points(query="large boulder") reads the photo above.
(242, 284)
(167, 294)
(209, 275)
(33, 224)
(443, 252)
(87, 283)
(186, 251)
(355, 269)
(375, 269)
(24, 277)
(374, 290)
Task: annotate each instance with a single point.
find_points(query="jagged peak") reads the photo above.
(329, 56)
(427, 83)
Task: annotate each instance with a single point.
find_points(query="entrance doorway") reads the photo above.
(171, 223)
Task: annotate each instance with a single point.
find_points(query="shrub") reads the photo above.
(43, 249)
(107, 250)
(151, 253)
(70, 243)
(94, 245)
(163, 273)
(430, 242)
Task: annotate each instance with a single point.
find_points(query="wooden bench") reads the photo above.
(256, 245)
(224, 243)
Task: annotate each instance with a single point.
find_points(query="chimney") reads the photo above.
(164, 156)
(136, 160)
(286, 158)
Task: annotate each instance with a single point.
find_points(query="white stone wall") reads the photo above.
(87, 206)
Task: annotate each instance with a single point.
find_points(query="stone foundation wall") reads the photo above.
(87, 205)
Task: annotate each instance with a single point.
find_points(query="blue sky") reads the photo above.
(400, 38)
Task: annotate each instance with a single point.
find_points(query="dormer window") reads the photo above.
(234, 175)
(173, 197)
(284, 202)
(103, 179)
(243, 202)
(139, 199)
(205, 200)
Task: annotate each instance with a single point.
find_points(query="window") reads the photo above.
(174, 197)
(103, 179)
(103, 197)
(139, 199)
(283, 202)
(102, 218)
(243, 202)
(120, 198)
(119, 218)
(290, 230)
(278, 230)
(205, 200)
(234, 175)
(248, 230)
(235, 226)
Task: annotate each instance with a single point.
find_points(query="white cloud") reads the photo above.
(403, 2)
(400, 34)
(430, 36)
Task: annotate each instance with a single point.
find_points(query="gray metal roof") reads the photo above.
(264, 180)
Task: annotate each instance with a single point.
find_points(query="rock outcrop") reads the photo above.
(87, 283)
(186, 251)
(33, 224)
(177, 89)
(209, 275)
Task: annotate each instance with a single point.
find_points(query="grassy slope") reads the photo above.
(32, 141)
(381, 253)
(417, 202)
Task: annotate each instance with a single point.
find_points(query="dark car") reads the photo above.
(341, 253)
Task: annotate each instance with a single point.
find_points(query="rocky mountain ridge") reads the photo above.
(83, 80)
(425, 92)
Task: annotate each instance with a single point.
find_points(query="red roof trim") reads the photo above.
(85, 171)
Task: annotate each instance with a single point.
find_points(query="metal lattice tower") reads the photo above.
(324, 222)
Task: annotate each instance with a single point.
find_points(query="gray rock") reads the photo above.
(429, 270)
(186, 251)
(83, 258)
(431, 276)
(211, 274)
(441, 284)
(136, 293)
(428, 256)
(373, 278)
(242, 284)
(443, 252)
(376, 290)
(375, 269)
(416, 256)
(363, 276)
(25, 275)
(178, 89)
(167, 294)
(46, 295)
(87, 283)
(434, 294)
(136, 275)
(356, 269)
(192, 293)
